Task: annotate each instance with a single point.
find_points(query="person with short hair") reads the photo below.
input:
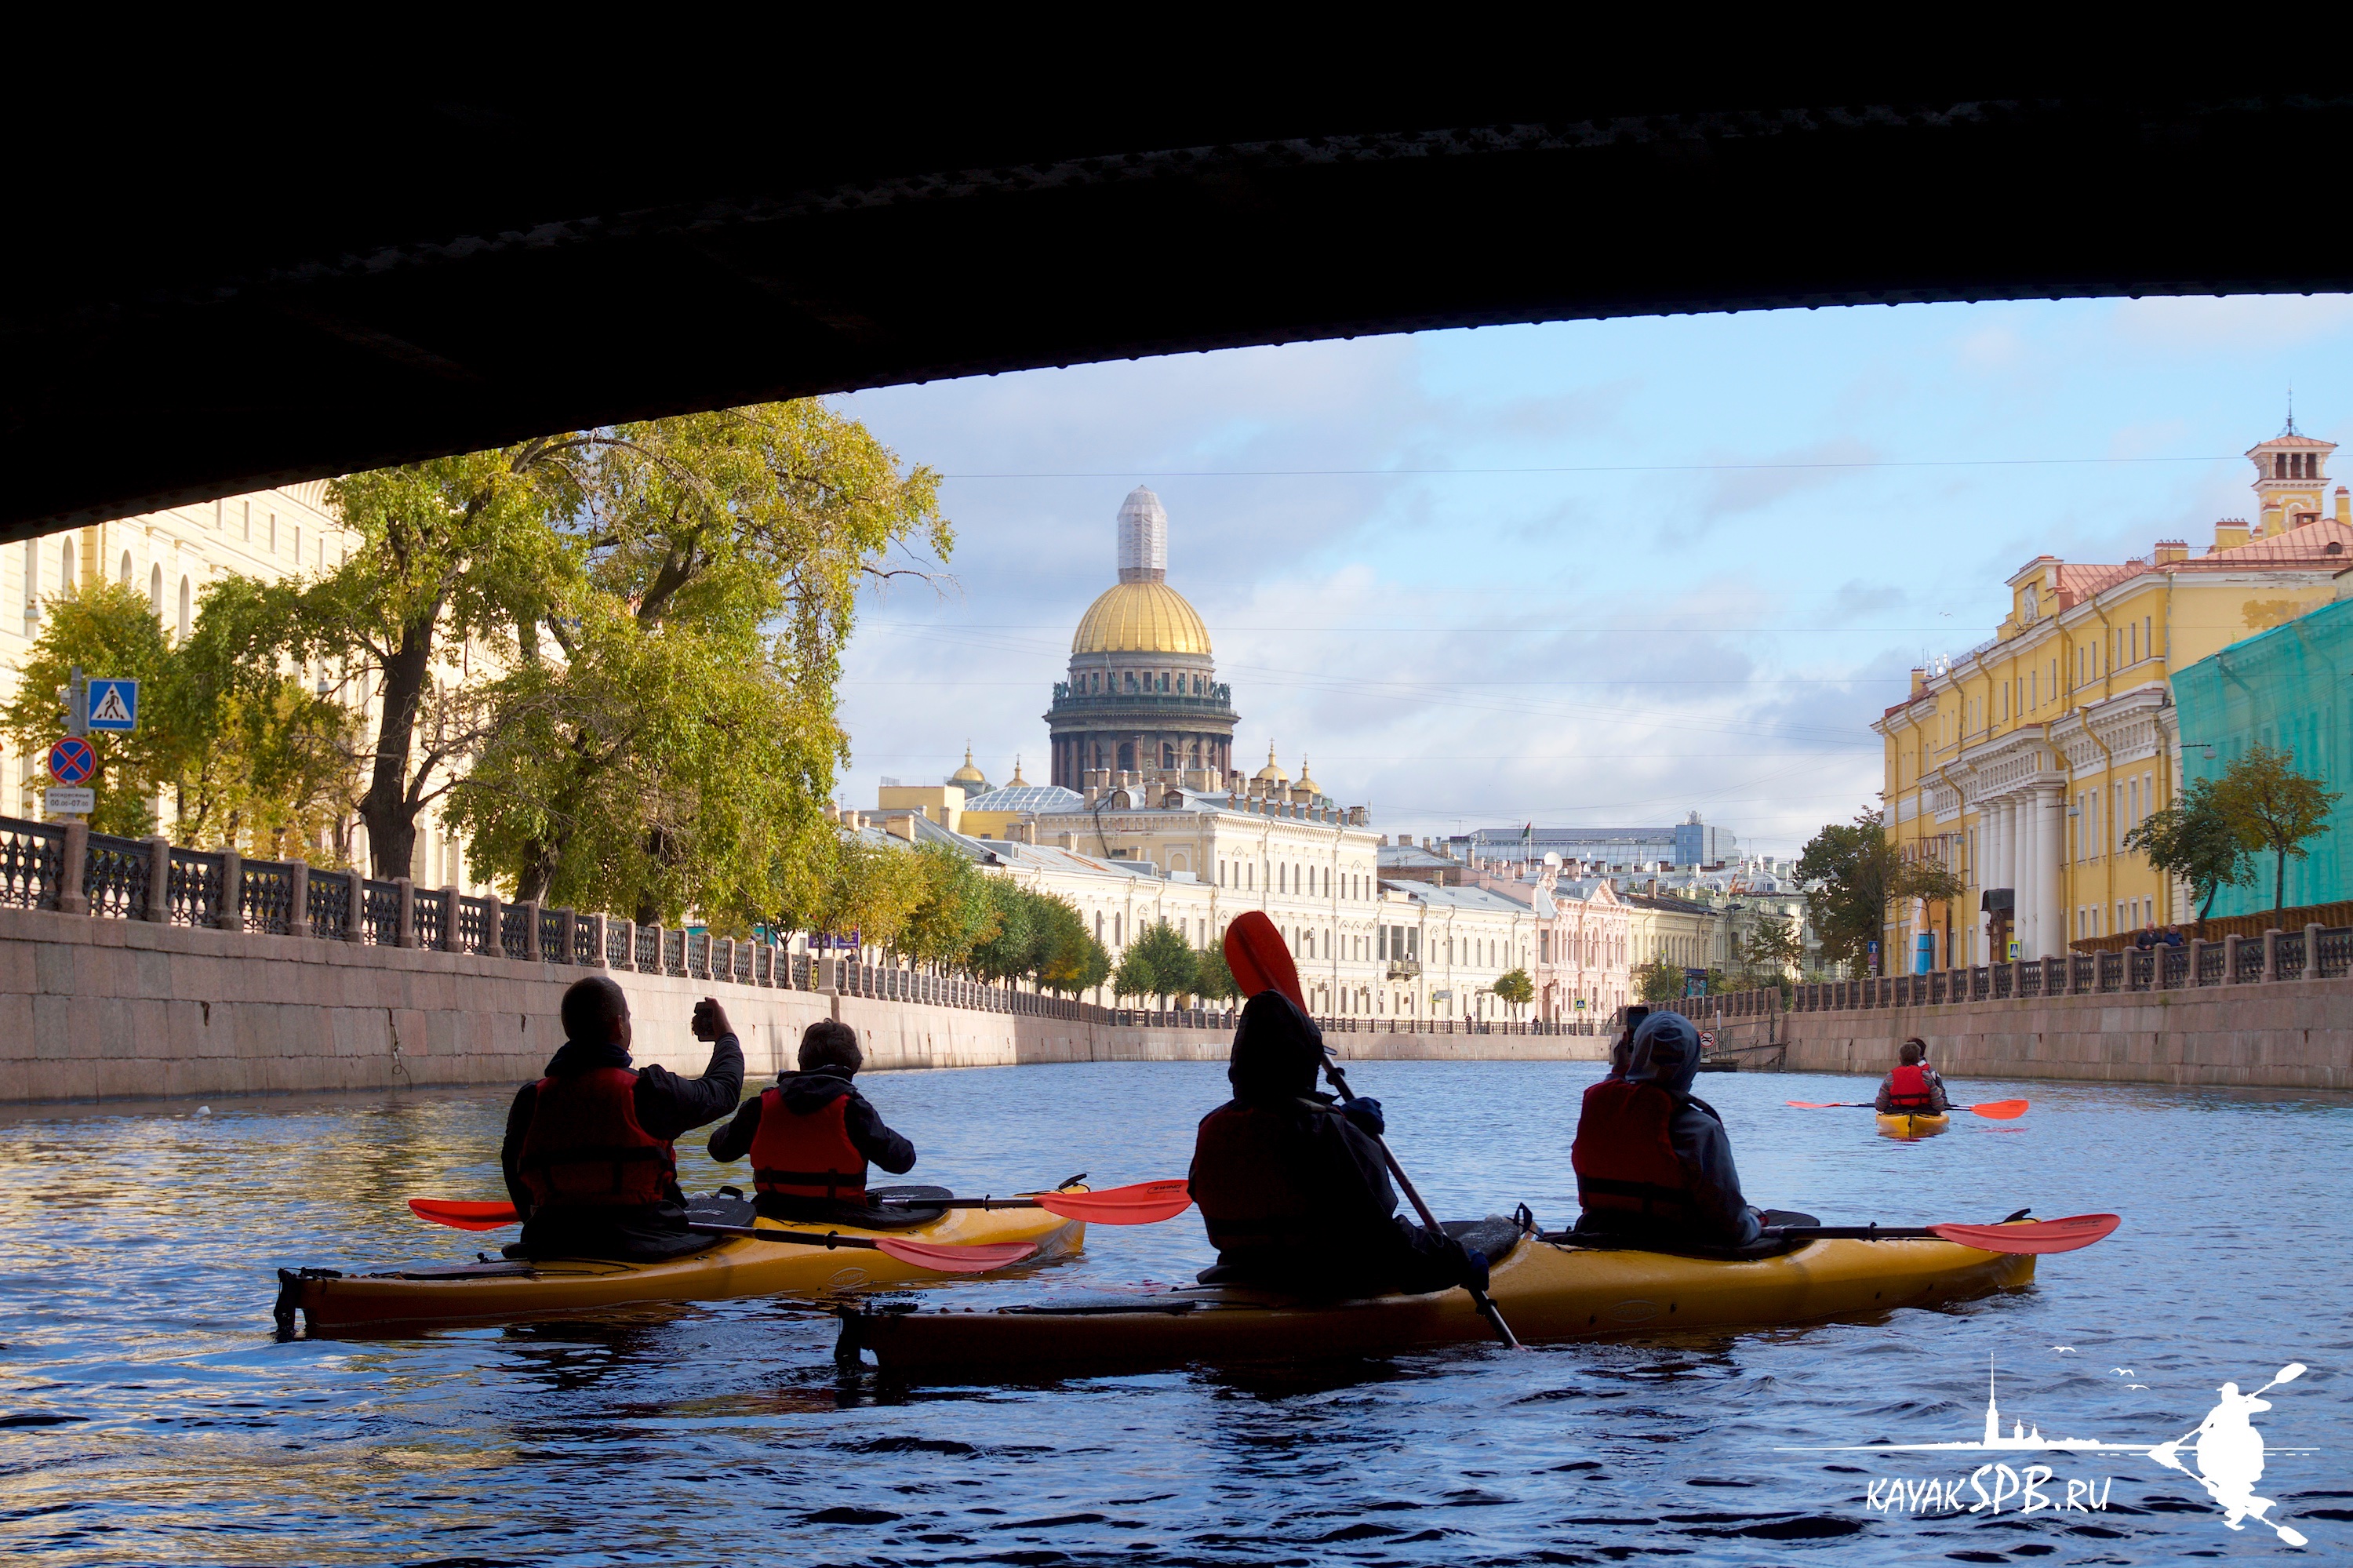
(588, 1154)
(1913, 1088)
(1652, 1160)
(812, 1136)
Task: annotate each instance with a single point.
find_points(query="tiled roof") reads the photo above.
(2308, 545)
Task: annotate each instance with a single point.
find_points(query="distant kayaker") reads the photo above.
(588, 1156)
(1293, 1191)
(810, 1137)
(1652, 1160)
(1913, 1088)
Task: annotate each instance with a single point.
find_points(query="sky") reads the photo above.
(1583, 574)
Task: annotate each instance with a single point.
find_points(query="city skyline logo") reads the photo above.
(2225, 1457)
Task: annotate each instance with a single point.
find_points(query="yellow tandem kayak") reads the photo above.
(431, 1294)
(1907, 1125)
(1548, 1291)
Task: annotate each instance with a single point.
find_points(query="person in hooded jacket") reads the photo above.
(1913, 1088)
(1292, 1183)
(811, 1136)
(588, 1153)
(1651, 1159)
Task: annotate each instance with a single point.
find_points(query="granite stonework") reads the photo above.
(2278, 1034)
(94, 1009)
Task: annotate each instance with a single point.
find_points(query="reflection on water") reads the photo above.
(146, 1414)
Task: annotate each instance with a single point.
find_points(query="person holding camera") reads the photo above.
(588, 1153)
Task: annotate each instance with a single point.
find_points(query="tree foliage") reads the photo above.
(954, 911)
(1213, 979)
(2194, 840)
(2274, 809)
(1658, 981)
(1160, 962)
(1861, 872)
(1515, 986)
(1772, 952)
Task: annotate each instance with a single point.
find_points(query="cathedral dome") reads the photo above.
(1272, 772)
(1141, 617)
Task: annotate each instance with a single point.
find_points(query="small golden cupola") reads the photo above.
(974, 782)
(1272, 772)
(1306, 784)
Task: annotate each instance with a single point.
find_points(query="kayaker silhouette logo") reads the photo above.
(2226, 1459)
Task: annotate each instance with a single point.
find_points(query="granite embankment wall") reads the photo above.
(95, 1009)
(2277, 1034)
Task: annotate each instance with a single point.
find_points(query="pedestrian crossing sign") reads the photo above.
(114, 705)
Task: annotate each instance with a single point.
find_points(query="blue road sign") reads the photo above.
(71, 761)
(114, 705)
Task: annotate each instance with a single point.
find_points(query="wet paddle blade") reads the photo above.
(2033, 1236)
(1146, 1203)
(1260, 959)
(2002, 1110)
(1825, 1105)
(464, 1216)
(977, 1259)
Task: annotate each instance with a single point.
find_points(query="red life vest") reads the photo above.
(1624, 1160)
(807, 1156)
(1243, 1181)
(1907, 1089)
(584, 1148)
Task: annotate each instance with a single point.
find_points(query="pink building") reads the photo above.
(1584, 970)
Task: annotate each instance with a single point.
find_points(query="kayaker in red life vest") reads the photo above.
(1652, 1158)
(588, 1156)
(1294, 1193)
(1914, 1086)
(810, 1137)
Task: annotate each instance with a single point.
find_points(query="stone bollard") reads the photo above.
(158, 880)
(449, 937)
(2231, 960)
(229, 913)
(2311, 969)
(2197, 962)
(567, 933)
(531, 930)
(2271, 955)
(723, 959)
(404, 926)
(355, 905)
(596, 948)
(73, 898)
(298, 897)
(494, 920)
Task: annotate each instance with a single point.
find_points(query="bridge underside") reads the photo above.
(394, 278)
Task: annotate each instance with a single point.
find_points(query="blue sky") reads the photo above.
(1588, 573)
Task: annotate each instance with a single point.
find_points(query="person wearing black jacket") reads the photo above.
(812, 1136)
(588, 1153)
(1292, 1184)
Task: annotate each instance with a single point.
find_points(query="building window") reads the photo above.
(185, 605)
(156, 589)
(126, 568)
(32, 579)
(1167, 754)
(298, 547)
(249, 521)
(273, 533)
(66, 568)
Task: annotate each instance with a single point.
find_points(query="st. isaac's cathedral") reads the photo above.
(1144, 695)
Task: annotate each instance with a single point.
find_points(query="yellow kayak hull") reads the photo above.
(1548, 1291)
(1908, 1125)
(731, 1266)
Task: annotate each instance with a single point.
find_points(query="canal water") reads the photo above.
(146, 1415)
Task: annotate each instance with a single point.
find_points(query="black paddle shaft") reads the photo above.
(1479, 1298)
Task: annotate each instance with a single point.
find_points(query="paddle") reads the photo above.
(2069, 1234)
(1996, 1110)
(978, 1258)
(1144, 1203)
(464, 1216)
(1261, 960)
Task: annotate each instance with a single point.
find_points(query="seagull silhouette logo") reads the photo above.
(2124, 1371)
(2064, 1349)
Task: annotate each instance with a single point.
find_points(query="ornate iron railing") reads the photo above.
(32, 864)
(265, 897)
(329, 897)
(193, 894)
(471, 914)
(430, 914)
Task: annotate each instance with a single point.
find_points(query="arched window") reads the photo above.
(186, 603)
(1167, 754)
(66, 568)
(1126, 755)
(126, 568)
(32, 579)
(156, 589)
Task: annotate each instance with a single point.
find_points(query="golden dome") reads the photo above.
(1141, 617)
(1305, 782)
(1272, 772)
(967, 774)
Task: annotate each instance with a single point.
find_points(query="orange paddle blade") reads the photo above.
(1146, 1203)
(975, 1259)
(2002, 1110)
(1260, 959)
(2034, 1236)
(464, 1216)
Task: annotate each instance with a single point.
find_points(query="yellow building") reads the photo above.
(2023, 763)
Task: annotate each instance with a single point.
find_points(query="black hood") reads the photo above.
(576, 1056)
(1278, 1051)
(806, 1092)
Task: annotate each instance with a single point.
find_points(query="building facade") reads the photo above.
(2023, 763)
(1143, 694)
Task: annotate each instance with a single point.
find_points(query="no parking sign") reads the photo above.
(72, 760)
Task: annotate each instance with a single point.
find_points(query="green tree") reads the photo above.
(1515, 987)
(1168, 958)
(2274, 809)
(1862, 872)
(865, 888)
(1213, 979)
(679, 747)
(1070, 960)
(1772, 951)
(1658, 981)
(1014, 947)
(1133, 976)
(2194, 840)
(108, 629)
(953, 912)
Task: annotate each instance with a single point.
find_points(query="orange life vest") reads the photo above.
(1243, 1181)
(1908, 1089)
(584, 1147)
(797, 1156)
(1624, 1160)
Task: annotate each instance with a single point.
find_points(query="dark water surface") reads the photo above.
(146, 1415)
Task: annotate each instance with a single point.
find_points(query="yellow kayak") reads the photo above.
(432, 1294)
(1907, 1125)
(1548, 1291)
